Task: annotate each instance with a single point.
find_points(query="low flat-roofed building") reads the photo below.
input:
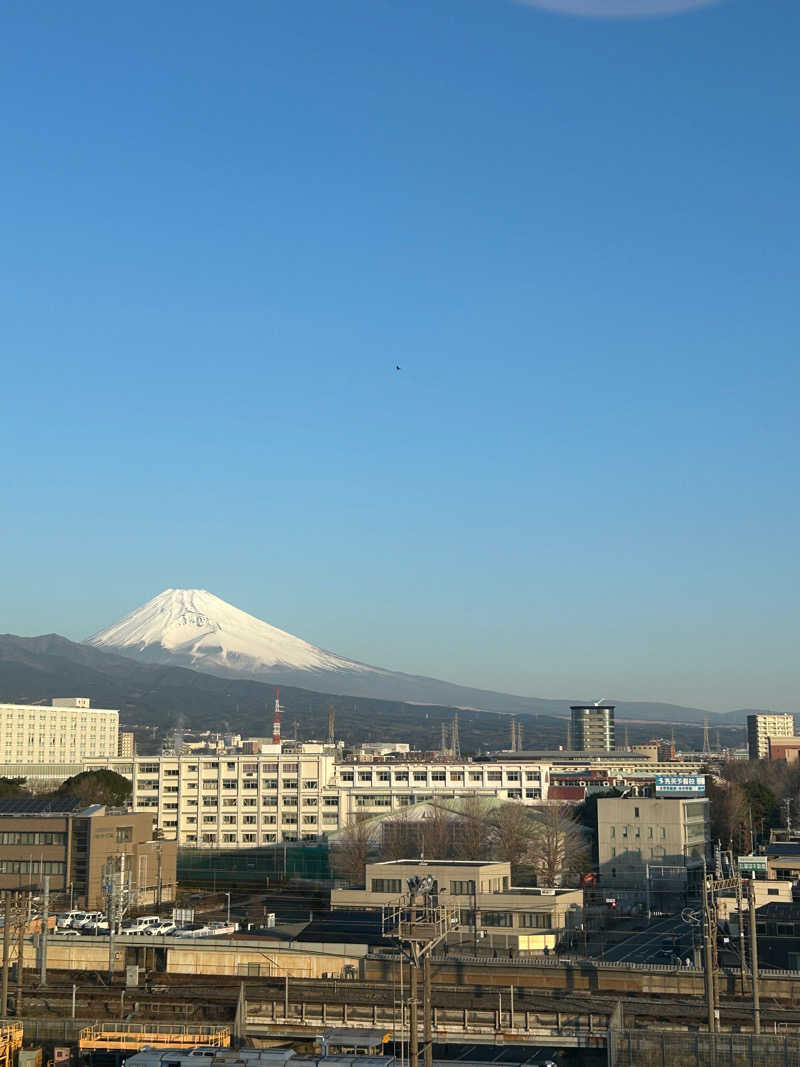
(784, 748)
(783, 861)
(492, 911)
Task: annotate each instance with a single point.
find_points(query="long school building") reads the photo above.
(236, 801)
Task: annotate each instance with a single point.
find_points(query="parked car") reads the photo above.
(195, 930)
(95, 928)
(162, 929)
(72, 919)
(90, 917)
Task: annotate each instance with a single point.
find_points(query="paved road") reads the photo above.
(643, 947)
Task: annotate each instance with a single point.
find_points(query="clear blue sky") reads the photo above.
(222, 227)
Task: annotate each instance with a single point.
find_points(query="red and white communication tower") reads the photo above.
(276, 722)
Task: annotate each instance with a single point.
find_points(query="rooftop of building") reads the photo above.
(783, 848)
(436, 863)
(24, 807)
(41, 805)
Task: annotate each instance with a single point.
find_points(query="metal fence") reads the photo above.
(651, 1048)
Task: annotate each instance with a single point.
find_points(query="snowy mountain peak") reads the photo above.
(194, 627)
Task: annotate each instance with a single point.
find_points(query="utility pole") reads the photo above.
(20, 956)
(6, 951)
(413, 1021)
(427, 1012)
(742, 954)
(754, 961)
(43, 934)
(708, 963)
(419, 923)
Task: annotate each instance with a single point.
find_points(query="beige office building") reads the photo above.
(492, 912)
(636, 832)
(67, 732)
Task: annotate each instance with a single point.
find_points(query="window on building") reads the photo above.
(387, 885)
(124, 833)
(463, 888)
(496, 918)
(536, 920)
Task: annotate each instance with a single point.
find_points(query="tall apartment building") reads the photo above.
(127, 747)
(235, 801)
(67, 732)
(760, 728)
(592, 727)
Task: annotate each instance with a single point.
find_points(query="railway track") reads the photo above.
(188, 997)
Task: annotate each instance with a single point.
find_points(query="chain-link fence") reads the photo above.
(651, 1048)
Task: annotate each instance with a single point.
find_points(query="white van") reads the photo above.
(141, 925)
(71, 920)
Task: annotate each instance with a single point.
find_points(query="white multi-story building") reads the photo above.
(68, 732)
(235, 801)
(760, 728)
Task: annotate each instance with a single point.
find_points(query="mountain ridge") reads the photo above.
(149, 695)
(194, 628)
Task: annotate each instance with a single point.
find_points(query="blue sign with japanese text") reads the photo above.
(678, 785)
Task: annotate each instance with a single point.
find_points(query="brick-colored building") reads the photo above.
(72, 844)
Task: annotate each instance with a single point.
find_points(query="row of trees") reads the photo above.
(547, 843)
(94, 787)
(749, 799)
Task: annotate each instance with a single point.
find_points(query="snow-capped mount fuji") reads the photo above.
(193, 628)
(198, 629)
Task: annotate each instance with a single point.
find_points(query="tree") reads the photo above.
(729, 815)
(97, 787)
(512, 831)
(472, 840)
(437, 834)
(763, 805)
(557, 849)
(400, 839)
(13, 787)
(351, 852)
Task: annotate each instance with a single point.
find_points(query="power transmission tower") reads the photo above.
(519, 737)
(706, 742)
(455, 743)
(513, 735)
(444, 741)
